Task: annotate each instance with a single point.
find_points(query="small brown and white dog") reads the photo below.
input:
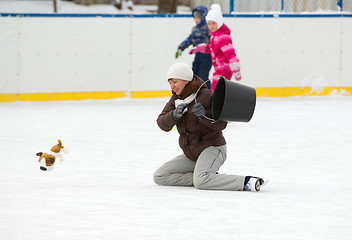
(47, 160)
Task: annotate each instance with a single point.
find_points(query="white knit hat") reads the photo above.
(180, 71)
(215, 15)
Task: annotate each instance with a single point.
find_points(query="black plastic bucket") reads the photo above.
(233, 101)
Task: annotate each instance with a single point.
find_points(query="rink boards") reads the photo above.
(68, 57)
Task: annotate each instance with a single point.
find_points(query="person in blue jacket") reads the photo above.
(200, 34)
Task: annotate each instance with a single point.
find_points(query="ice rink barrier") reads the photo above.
(99, 56)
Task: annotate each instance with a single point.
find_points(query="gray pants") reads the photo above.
(181, 171)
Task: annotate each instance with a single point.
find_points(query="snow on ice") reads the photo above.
(104, 188)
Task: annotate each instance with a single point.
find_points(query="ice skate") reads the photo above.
(253, 183)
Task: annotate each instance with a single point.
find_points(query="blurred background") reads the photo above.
(175, 6)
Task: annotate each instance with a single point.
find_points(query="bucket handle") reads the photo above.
(195, 99)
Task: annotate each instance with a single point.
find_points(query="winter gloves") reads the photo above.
(178, 53)
(178, 112)
(199, 48)
(236, 69)
(199, 111)
(202, 48)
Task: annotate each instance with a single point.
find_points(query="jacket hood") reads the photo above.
(202, 9)
(222, 30)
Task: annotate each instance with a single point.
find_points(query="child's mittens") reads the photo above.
(236, 69)
(178, 53)
(199, 48)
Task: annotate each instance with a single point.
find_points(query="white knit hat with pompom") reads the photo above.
(215, 15)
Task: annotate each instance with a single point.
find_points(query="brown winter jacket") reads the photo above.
(195, 135)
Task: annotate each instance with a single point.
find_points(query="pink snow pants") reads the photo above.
(227, 73)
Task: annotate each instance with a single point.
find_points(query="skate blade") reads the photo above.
(265, 182)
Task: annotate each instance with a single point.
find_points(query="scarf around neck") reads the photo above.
(187, 100)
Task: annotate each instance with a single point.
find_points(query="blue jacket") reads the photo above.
(200, 33)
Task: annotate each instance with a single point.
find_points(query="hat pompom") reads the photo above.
(215, 15)
(216, 7)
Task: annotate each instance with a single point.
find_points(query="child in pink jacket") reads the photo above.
(222, 51)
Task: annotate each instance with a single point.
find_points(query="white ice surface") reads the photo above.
(104, 189)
